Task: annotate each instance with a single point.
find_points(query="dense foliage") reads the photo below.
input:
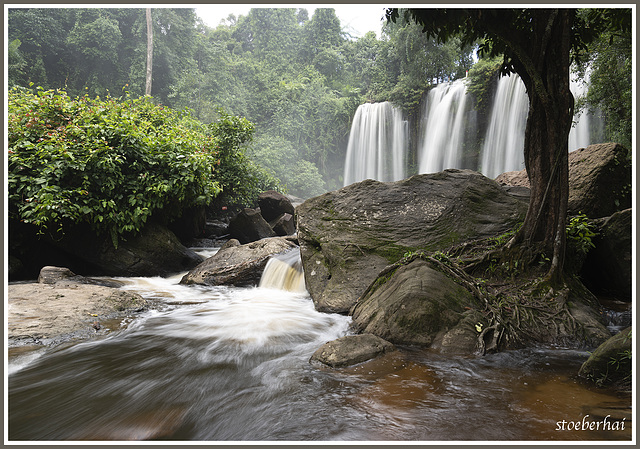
(607, 64)
(299, 79)
(115, 163)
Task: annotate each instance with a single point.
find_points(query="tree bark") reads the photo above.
(149, 53)
(546, 140)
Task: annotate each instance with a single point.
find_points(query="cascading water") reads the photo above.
(504, 142)
(284, 272)
(580, 135)
(377, 144)
(443, 128)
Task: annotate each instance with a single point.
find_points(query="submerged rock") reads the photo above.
(348, 236)
(239, 265)
(351, 349)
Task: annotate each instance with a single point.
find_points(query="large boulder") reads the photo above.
(236, 264)
(156, 251)
(607, 268)
(412, 305)
(274, 204)
(64, 307)
(249, 226)
(348, 236)
(599, 180)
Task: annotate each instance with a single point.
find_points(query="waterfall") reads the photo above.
(504, 141)
(377, 144)
(284, 272)
(580, 134)
(443, 128)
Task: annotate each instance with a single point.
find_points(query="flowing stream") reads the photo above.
(232, 364)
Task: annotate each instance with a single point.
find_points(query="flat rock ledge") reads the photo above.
(71, 308)
(351, 350)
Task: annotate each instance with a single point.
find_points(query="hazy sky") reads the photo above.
(356, 19)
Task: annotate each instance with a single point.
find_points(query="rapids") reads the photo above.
(232, 364)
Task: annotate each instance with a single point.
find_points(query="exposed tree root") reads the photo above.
(519, 305)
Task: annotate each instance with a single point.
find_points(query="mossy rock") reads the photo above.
(413, 306)
(610, 363)
(350, 235)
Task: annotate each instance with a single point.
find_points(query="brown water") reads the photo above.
(231, 364)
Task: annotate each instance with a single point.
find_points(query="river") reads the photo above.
(232, 364)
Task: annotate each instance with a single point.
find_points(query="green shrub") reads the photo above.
(111, 163)
(580, 233)
(241, 179)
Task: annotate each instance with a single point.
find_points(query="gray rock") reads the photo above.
(283, 225)
(599, 180)
(348, 236)
(49, 314)
(51, 275)
(463, 337)
(273, 204)
(249, 226)
(351, 350)
(411, 305)
(239, 265)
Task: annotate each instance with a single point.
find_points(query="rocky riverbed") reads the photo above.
(62, 307)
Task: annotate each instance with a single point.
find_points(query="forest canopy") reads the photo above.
(297, 78)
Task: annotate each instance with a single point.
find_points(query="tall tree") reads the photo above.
(536, 44)
(147, 89)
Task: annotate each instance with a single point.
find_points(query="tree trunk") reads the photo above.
(149, 53)
(546, 141)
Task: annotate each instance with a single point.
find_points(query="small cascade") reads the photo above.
(284, 272)
(443, 128)
(377, 144)
(504, 141)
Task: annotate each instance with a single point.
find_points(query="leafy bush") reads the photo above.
(580, 233)
(111, 163)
